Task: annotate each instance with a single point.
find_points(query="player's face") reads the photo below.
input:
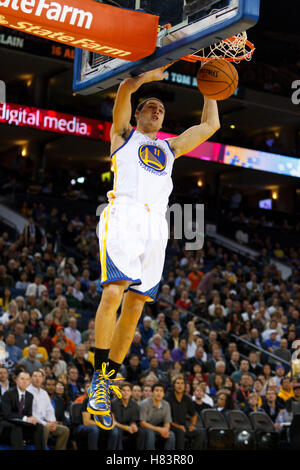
(151, 115)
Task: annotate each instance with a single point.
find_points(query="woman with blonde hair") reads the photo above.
(11, 315)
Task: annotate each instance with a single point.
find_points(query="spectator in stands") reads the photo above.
(10, 316)
(126, 414)
(51, 386)
(87, 428)
(45, 304)
(286, 390)
(85, 280)
(22, 339)
(22, 283)
(244, 368)
(91, 297)
(32, 233)
(254, 366)
(75, 386)
(77, 292)
(155, 419)
(4, 380)
(224, 403)
(84, 367)
(158, 347)
(14, 353)
(198, 397)
(268, 376)
(271, 406)
(252, 404)
(244, 390)
(217, 384)
(16, 404)
(58, 364)
(282, 352)
(5, 299)
(180, 354)
(137, 346)
(30, 362)
(295, 398)
(43, 411)
(6, 280)
(219, 370)
(136, 393)
(166, 364)
(61, 390)
(41, 354)
(184, 301)
(45, 340)
(272, 343)
(233, 364)
(215, 356)
(195, 276)
(146, 330)
(72, 332)
(182, 408)
(36, 288)
(81, 398)
(279, 374)
(90, 329)
(165, 299)
(69, 344)
(60, 314)
(134, 370)
(146, 391)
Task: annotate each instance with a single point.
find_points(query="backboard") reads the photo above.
(195, 24)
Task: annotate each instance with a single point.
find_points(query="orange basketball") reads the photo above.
(217, 79)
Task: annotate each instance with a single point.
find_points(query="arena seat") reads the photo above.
(220, 437)
(244, 436)
(267, 438)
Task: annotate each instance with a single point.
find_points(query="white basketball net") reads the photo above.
(233, 49)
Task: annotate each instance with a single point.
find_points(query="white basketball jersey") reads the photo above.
(142, 171)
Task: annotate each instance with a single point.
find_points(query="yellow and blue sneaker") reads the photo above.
(99, 393)
(104, 421)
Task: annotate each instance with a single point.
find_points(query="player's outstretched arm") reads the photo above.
(122, 106)
(195, 135)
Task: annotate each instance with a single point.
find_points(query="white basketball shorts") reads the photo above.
(133, 240)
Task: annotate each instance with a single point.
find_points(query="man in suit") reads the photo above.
(17, 416)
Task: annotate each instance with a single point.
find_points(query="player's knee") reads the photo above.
(113, 292)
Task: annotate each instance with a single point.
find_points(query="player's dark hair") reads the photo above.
(142, 104)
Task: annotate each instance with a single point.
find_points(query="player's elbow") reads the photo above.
(215, 126)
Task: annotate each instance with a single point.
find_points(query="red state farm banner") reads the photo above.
(112, 31)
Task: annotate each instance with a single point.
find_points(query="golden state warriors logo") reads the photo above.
(153, 157)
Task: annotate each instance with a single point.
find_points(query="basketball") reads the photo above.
(217, 79)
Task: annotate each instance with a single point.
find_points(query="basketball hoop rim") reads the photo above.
(247, 56)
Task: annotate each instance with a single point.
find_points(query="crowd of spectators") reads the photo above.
(217, 316)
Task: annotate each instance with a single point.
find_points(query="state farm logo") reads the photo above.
(53, 11)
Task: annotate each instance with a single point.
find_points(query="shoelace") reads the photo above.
(100, 392)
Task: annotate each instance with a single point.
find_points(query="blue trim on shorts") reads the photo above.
(152, 293)
(127, 140)
(114, 274)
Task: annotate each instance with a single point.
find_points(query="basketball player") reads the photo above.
(133, 231)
